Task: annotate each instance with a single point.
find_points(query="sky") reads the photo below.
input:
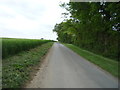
(34, 19)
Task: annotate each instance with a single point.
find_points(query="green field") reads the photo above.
(107, 64)
(16, 69)
(11, 46)
(19, 57)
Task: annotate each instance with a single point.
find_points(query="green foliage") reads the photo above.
(16, 69)
(92, 26)
(13, 46)
(105, 63)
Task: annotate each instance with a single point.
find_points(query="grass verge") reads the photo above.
(109, 65)
(16, 69)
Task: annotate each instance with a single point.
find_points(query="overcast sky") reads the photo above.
(30, 18)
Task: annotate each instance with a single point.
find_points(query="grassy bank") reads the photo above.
(16, 69)
(107, 64)
(11, 46)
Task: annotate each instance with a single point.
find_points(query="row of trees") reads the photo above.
(92, 26)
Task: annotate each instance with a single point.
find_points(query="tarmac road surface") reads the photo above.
(62, 68)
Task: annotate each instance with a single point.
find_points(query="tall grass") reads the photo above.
(13, 46)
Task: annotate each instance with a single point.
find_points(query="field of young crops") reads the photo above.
(17, 69)
(13, 46)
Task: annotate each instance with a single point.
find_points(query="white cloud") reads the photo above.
(29, 18)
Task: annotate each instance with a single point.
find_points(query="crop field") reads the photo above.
(13, 46)
(17, 69)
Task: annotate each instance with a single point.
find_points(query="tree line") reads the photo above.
(93, 26)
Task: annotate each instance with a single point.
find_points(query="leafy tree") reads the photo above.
(92, 26)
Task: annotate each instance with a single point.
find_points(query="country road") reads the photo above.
(62, 68)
